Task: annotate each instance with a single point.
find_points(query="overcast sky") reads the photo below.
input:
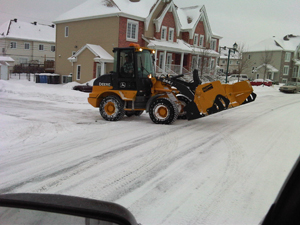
(243, 21)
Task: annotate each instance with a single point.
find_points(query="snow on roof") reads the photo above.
(269, 67)
(189, 16)
(97, 50)
(16, 29)
(287, 43)
(6, 59)
(180, 46)
(101, 8)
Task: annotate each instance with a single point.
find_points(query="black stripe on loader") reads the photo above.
(221, 103)
(250, 98)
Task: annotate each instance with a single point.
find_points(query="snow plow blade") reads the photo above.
(215, 97)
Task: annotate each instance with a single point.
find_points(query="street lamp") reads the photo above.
(234, 49)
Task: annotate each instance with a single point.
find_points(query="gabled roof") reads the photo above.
(287, 43)
(159, 20)
(190, 17)
(100, 54)
(269, 67)
(92, 9)
(15, 29)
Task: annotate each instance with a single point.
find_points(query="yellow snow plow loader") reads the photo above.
(132, 87)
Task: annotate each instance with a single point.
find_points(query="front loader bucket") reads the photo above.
(214, 97)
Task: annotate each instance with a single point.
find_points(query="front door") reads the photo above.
(98, 70)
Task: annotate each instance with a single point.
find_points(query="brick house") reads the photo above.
(182, 37)
(275, 58)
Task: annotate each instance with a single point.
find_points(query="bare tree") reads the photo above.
(243, 62)
(203, 59)
(266, 59)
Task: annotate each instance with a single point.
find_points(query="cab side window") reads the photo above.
(126, 64)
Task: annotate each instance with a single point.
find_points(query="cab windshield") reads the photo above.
(145, 64)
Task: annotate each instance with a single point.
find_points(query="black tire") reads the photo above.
(184, 101)
(112, 108)
(163, 111)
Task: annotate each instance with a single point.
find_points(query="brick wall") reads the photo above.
(122, 33)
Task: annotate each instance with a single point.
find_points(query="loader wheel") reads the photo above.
(112, 108)
(163, 111)
(184, 101)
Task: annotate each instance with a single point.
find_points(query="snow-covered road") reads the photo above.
(226, 168)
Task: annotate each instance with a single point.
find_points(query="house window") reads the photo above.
(212, 64)
(23, 60)
(213, 44)
(132, 30)
(201, 40)
(164, 33)
(161, 60)
(286, 70)
(66, 31)
(52, 48)
(78, 73)
(41, 47)
(171, 34)
(26, 46)
(257, 76)
(13, 44)
(287, 57)
(249, 56)
(196, 38)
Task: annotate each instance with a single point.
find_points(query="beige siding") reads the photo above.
(33, 53)
(86, 60)
(81, 33)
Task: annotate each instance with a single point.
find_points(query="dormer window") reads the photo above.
(164, 33)
(201, 40)
(171, 34)
(196, 38)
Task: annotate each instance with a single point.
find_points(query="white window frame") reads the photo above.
(52, 48)
(196, 39)
(66, 31)
(13, 44)
(201, 40)
(41, 47)
(78, 72)
(164, 32)
(129, 35)
(23, 60)
(27, 44)
(171, 34)
(213, 44)
(199, 62)
(287, 57)
(286, 70)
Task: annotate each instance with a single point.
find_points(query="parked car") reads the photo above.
(258, 82)
(83, 88)
(291, 87)
(239, 77)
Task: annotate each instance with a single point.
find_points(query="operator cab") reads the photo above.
(132, 67)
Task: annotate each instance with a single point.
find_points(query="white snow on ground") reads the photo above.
(226, 168)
